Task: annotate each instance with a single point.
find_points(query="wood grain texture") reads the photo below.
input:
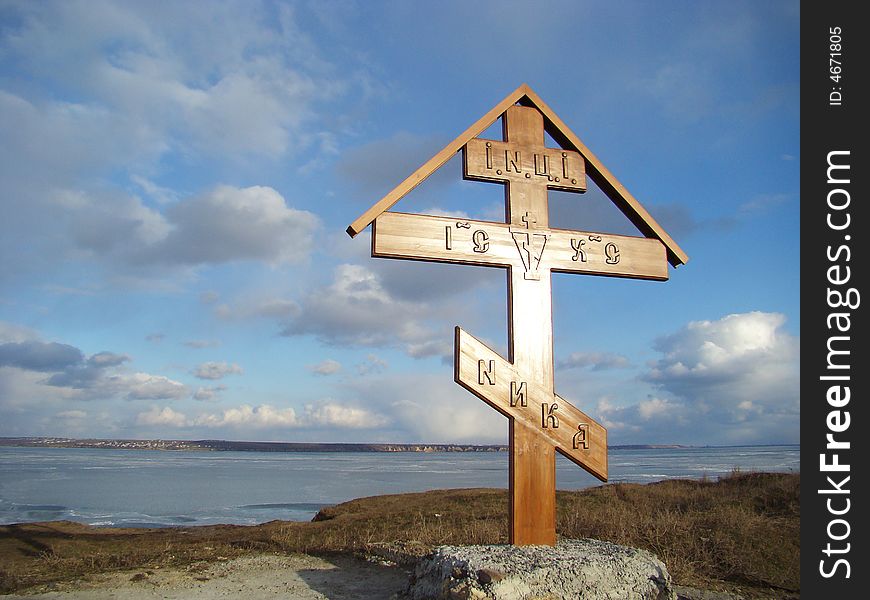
(521, 387)
(492, 160)
(532, 468)
(467, 241)
(530, 342)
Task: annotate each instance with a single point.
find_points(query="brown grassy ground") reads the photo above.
(740, 533)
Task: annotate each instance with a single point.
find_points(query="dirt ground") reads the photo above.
(261, 577)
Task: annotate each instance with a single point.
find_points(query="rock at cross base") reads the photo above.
(577, 569)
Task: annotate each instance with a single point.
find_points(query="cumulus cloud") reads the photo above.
(707, 358)
(216, 370)
(255, 92)
(371, 306)
(107, 359)
(325, 367)
(33, 355)
(330, 414)
(231, 224)
(265, 416)
(356, 309)
(208, 394)
(34, 369)
(262, 416)
(144, 386)
(224, 224)
(162, 417)
(325, 414)
(732, 380)
(138, 92)
(651, 420)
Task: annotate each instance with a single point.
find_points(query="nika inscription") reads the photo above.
(518, 394)
(548, 415)
(581, 438)
(486, 372)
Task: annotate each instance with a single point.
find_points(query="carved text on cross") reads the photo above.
(530, 220)
(532, 162)
(521, 387)
(522, 397)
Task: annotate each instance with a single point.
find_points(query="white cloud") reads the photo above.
(144, 386)
(49, 371)
(161, 417)
(208, 394)
(255, 92)
(330, 414)
(324, 414)
(224, 224)
(107, 359)
(216, 370)
(230, 224)
(730, 381)
(325, 367)
(262, 416)
(356, 309)
(746, 344)
(386, 305)
(94, 112)
(655, 408)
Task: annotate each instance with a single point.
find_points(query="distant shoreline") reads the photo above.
(237, 446)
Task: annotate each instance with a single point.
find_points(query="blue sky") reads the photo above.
(176, 179)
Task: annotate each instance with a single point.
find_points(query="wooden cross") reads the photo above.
(521, 386)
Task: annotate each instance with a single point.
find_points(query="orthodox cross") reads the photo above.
(521, 387)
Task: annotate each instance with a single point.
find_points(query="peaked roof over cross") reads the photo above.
(563, 136)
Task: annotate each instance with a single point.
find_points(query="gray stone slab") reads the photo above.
(577, 569)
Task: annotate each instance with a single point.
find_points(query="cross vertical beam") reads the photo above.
(522, 387)
(530, 347)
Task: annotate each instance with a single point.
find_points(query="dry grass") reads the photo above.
(743, 530)
(739, 533)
